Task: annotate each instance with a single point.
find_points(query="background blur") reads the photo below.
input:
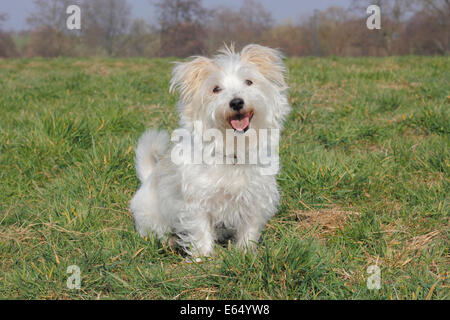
(146, 28)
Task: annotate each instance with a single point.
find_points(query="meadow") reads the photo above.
(364, 181)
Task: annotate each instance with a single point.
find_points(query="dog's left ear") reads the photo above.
(268, 61)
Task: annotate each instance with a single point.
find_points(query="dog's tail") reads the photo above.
(151, 147)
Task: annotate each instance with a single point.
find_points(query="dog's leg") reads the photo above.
(146, 214)
(196, 235)
(247, 235)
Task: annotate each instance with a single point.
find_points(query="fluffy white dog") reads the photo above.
(198, 204)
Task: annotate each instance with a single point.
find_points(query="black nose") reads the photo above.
(236, 104)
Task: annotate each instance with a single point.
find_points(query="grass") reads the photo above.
(364, 181)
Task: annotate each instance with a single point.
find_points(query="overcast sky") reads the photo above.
(18, 10)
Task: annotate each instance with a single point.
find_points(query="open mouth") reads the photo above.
(240, 122)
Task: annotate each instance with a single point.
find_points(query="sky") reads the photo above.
(18, 10)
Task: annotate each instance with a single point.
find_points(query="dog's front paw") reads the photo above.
(247, 238)
(247, 245)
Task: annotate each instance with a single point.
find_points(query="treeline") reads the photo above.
(187, 27)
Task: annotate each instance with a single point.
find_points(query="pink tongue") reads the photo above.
(240, 125)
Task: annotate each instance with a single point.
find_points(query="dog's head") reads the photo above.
(233, 90)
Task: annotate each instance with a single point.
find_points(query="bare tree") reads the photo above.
(407, 27)
(142, 40)
(396, 10)
(3, 17)
(225, 27)
(7, 46)
(241, 27)
(437, 13)
(428, 31)
(292, 39)
(182, 27)
(50, 13)
(138, 37)
(50, 36)
(106, 23)
(255, 17)
(439, 7)
(393, 15)
(186, 27)
(49, 43)
(334, 31)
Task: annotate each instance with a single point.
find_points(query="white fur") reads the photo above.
(196, 201)
(151, 147)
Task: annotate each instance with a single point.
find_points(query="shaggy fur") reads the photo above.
(201, 203)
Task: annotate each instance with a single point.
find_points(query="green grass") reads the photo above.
(365, 180)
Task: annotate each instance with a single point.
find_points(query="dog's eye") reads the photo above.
(217, 89)
(248, 82)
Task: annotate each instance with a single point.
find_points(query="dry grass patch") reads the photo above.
(16, 233)
(98, 69)
(147, 107)
(330, 94)
(401, 248)
(324, 221)
(94, 68)
(397, 85)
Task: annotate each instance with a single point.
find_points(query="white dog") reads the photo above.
(199, 204)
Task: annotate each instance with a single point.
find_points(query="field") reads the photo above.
(364, 180)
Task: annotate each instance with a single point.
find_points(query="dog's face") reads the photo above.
(232, 90)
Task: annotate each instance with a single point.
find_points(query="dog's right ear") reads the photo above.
(188, 77)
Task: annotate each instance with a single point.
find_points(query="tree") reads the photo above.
(50, 36)
(407, 27)
(394, 13)
(437, 15)
(142, 40)
(3, 17)
(50, 13)
(428, 31)
(255, 17)
(292, 39)
(182, 27)
(106, 23)
(439, 7)
(49, 43)
(246, 25)
(7, 46)
(334, 31)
